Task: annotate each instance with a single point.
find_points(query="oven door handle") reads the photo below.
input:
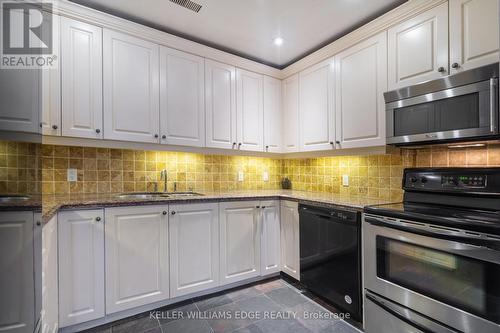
(440, 233)
(409, 316)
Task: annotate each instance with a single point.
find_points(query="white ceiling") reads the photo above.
(248, 27)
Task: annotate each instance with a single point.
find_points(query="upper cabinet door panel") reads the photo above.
(316, 107)
(291, 114)
(361, 71)
(131, 88)
(81, 67)
(250, 114)
(474, 36)
(51, 91)
(418, 48)
(272, 115)
(220, 105)
(182, 101)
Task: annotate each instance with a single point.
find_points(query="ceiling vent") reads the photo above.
(191, 5)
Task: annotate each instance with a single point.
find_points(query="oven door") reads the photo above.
(434, 271)
(457, 113)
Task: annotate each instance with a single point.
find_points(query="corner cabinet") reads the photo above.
(273, 118)
(239, 241)
(182, 98)
(81, 266)
(136, 257)
(361, 71)
(220, 105)
(131, 88)
(270, 237)
(474, 39)
(194, 248)
(81, 79)
(290, 250)
(249, 108)
(316, 111)
(291, 114)
(418, 48)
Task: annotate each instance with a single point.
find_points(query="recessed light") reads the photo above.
(468, 145)
(278, 41)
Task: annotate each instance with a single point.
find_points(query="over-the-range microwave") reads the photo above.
(460, 107)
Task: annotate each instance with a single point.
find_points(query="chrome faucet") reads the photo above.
(164, 177)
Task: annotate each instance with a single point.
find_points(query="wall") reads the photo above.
(120, 170)
(19, 168)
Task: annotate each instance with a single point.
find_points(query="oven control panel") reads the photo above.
(476, 181)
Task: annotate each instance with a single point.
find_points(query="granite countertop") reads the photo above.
(54, 203)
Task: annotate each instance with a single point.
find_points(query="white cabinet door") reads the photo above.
(17, 303)
(418, 48)
(220, 105)
(250, 114)
(194, 248)
(239, 241)
(474, 26)
(136, 256)
(182, 98)
(273, 118)
(81, 67)
(290, 250)
(270, 237)
(50, 295)
(81, 266)
(361, 70)
(131, 88)
(316, 107)
(291, 114)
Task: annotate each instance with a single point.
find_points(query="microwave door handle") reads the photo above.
(493, 105)
(408, 316)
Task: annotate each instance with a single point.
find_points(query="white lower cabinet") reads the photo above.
(290, 250)
(194, 248)
(81, 266)
(136, 257)
(239, 241)
(270, 237)
(50, 295)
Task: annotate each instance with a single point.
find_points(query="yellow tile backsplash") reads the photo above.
(20, 171)
(102, 170)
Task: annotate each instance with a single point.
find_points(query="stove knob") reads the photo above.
(423, 180)
(413, 179)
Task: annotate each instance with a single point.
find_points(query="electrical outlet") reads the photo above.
(265, 176)
(72, 175)
(345, 180)
(241, 176)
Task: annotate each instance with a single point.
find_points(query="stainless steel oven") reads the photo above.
(421, 277)
(463, 106)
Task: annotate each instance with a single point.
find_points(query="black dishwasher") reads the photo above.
(330, 256)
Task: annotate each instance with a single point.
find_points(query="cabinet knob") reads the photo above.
(156, 136)
(98, 131)
(173, 212)
(263, 207)
(455, 65)
(234, 144)
(54, 127)
(257, 207)
(337, 142)
(164, 212)
(331, 142)
(38, 223)
(441, 69)
(239, 144)
(163, 136)
(98, 219)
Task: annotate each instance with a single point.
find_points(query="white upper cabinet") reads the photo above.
(273, 118)
(220, 105)
(473, 33)
(194, 248)
(250, 113)
(291, 114)
(418, 48)
(131, 88)
(290, 250)
(81, 266)
(17, 301)
(182, 98)
(136, 257)
(239, 241)
(81, 87)
(360, 82)
(316, 111)
(270, 261)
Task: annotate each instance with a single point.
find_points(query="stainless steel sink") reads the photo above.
(143, 195)
(13, 198)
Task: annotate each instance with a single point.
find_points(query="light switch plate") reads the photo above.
(345, 180)
(241, 176)
(72, 175)
(265, 176)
